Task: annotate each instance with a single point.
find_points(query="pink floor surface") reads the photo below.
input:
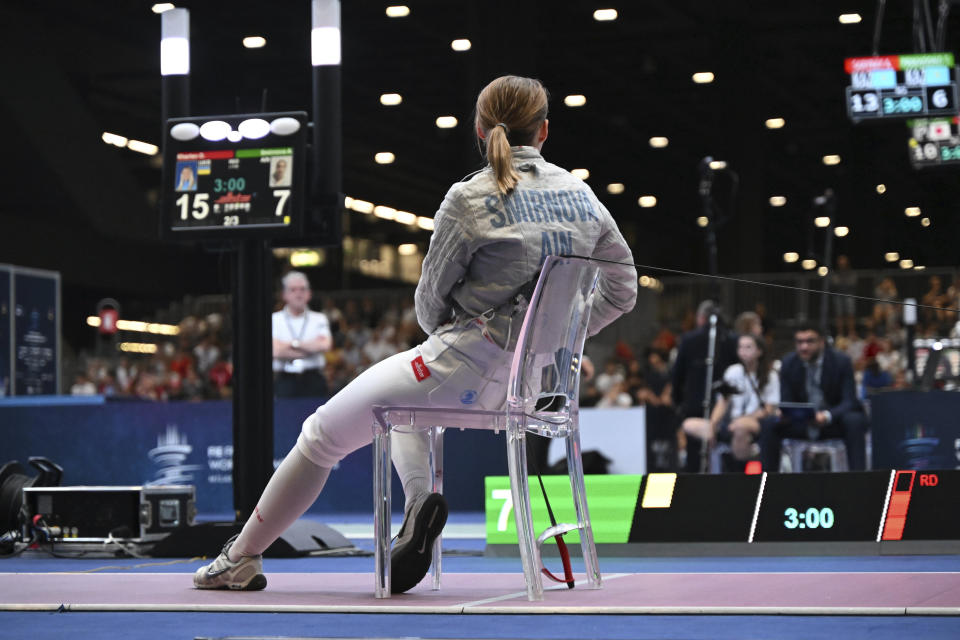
(654, 593)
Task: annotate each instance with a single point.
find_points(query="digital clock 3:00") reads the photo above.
(812, 518)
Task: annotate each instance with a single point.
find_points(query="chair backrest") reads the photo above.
(545, 372)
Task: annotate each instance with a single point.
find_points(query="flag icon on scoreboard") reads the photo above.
(939, 130)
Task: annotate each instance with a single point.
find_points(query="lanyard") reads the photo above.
(303, 327)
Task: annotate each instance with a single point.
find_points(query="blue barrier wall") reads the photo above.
(138, 443)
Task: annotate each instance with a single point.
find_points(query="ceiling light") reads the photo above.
(407, 249)
(583, 174)
(461, 44)
(912, 212)
(160, 7)
(137, 347)
(659, 142)
(254, 42)
(446, 122)
(891, 256)
(925, 222)
(881, 188)
(777, 201)
(605, 15)
(906, 263)
(215, 130)
(822, 271)
(398, 11)
(362, 206)
(775, 123)
(703, 77)
(387, 213)
(702, 221)
(808, 264)
(831, 159)
(405, 217)
(305, 258)
(234, 136)
(647, 201)
(143, 147)
(849, 18)
(384, 157)
(841, 232)
(822, 221)
(425, 223)
(918, 267)
(615, 188)
(575, 100)
(254, 128)
(390, 99)
(717, 165)
(791, 256)
(114, 139)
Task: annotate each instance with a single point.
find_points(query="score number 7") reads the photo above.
(507, 496)
(282, 194)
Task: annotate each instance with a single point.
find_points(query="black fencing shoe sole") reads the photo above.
(413, 552)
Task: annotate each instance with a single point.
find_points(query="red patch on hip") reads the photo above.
(420, 370)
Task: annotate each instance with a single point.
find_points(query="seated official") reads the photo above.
(300, 338)
(816, 374)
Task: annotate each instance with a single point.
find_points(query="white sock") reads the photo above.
(294, 486)
(410, 453)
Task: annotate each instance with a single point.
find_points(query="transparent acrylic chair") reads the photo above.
(542, 398)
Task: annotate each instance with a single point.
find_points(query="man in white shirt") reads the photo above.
(300, 338)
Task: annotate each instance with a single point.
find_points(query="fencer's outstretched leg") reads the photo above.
(294, 486)
(424, 513)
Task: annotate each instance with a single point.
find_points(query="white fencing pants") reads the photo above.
(456, 368)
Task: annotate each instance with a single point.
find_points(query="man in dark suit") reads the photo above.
(816, 374)
(689, 375)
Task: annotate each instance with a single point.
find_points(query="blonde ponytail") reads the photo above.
(510, 111)
(501, 160)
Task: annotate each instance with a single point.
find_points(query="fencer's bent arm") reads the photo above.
(443, 267)
(617, 287)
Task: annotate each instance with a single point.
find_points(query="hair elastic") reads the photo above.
(506, 129)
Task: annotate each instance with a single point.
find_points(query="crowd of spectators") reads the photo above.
(196, 364)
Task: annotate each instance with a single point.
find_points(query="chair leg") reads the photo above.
(436, 472)
(382, 467)
(578, 488)
(519, 488)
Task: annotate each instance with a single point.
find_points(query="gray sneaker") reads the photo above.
(246, 574)
(413, 551)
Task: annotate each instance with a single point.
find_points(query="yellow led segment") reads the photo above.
(658, 493)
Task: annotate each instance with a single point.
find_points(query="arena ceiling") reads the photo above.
(75, 71)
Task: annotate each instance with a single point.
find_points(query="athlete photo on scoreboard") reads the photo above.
(186, 176)
(281, 171)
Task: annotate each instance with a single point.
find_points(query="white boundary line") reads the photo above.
(756, 507)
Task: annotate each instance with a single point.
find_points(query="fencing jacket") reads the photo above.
(487, 247)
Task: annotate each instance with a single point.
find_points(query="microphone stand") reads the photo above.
(708, 389)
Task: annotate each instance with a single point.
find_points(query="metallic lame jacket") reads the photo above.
(486, 247)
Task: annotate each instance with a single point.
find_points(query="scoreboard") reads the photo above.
(233, 176)
(859, 506)
(901, 86)
(933, 142)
